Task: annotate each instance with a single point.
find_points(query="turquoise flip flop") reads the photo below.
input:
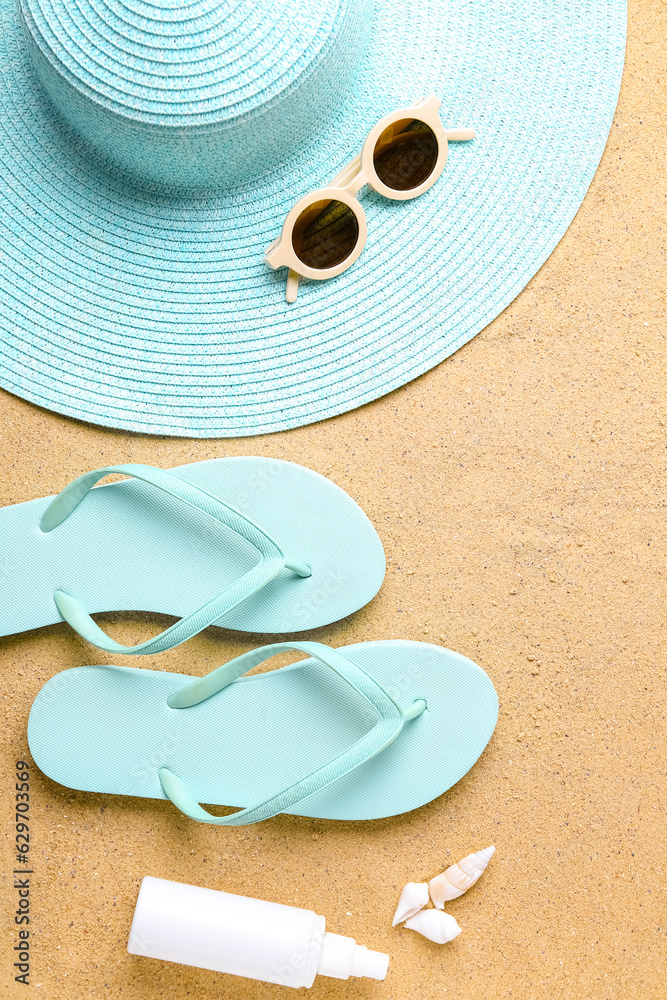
(254, 544)
(368, 730)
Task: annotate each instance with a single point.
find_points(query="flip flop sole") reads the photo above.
(109, 729)
(130, 547)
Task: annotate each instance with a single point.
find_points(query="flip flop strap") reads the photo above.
(391, 719)
(272, 559)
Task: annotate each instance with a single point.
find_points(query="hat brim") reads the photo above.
(157, 314)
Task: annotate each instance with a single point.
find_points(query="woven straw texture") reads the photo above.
(140, 307)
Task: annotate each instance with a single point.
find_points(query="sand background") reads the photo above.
(519, 490)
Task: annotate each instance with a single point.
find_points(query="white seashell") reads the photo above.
(436, 925)
(413, 897)
(457, 879)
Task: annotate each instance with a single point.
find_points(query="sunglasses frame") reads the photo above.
(346, 185)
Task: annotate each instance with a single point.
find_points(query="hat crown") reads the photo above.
(200, 93)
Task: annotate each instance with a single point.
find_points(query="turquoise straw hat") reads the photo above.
(151, 150)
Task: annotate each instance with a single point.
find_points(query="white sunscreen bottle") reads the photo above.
(244, 937)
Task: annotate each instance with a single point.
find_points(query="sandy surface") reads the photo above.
(519, 490)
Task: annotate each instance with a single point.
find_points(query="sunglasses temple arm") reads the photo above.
(459, 134)
(292, 286)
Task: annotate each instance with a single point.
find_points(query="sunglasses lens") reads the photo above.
(325, 234)
(405, 155)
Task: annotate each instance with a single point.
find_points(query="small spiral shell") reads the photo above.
(458, 878)
(435, 925)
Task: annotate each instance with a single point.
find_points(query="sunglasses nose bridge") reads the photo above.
(355, 184)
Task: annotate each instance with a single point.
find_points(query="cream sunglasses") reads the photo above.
(403, 156)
